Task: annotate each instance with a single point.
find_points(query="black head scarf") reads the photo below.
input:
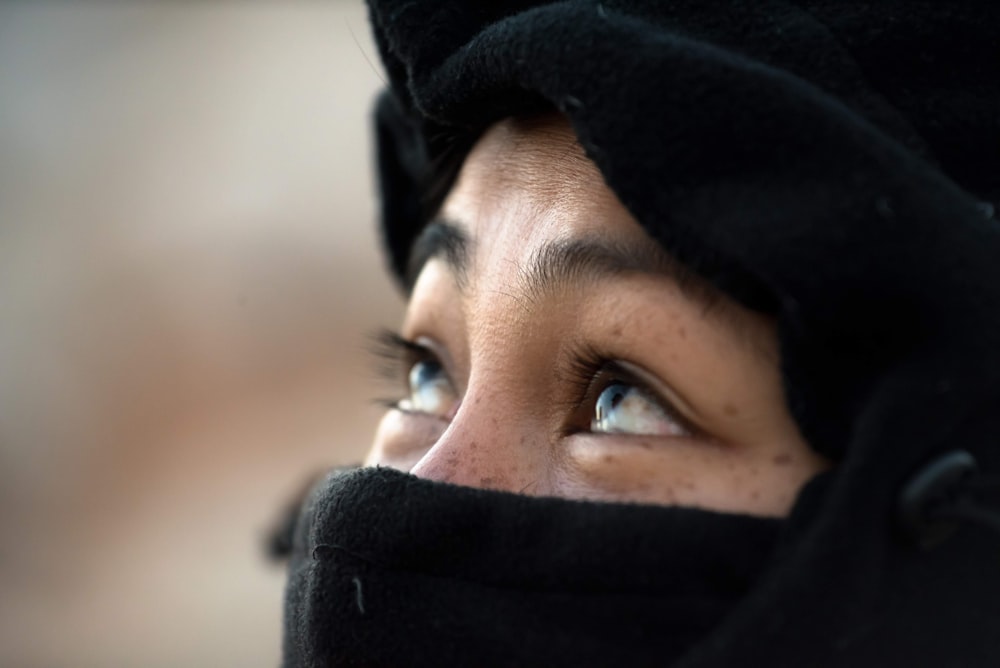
(829, 162)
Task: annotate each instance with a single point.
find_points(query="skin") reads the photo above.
(510, 415)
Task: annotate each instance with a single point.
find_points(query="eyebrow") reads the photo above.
(559, 264)
(439, 239)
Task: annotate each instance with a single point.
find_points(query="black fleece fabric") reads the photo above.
(832, 163)
(393, 570)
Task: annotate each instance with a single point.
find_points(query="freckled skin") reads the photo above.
(519, 423)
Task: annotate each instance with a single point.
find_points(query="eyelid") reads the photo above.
(395, 354)
(402, 349)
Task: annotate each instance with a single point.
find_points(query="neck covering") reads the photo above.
(834, 164)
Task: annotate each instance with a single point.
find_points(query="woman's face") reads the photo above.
(547, 349)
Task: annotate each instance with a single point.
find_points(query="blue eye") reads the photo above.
(622, 408)
(430, 390)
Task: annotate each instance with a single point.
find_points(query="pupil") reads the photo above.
(422, 373)
(617, 398)
(610, 399)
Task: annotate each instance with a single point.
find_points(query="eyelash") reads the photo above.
(589, 374)
(393, 356)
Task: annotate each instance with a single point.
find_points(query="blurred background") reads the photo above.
(188, 270)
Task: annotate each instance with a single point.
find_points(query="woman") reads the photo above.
(700, 360)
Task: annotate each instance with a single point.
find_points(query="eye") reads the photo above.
(429, 389)
(623, 408)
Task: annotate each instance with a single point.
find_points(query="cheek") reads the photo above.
(646, 470)
(401, 440)
(680, 471)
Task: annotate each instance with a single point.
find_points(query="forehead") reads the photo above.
(521, 147)
(529, 178)
(526, 185)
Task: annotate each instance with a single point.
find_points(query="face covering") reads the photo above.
(391, 570)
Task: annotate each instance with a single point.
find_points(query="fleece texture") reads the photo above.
(393, 570)
(832, 163)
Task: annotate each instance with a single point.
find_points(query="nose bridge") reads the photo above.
(497, 439)
(488, 445)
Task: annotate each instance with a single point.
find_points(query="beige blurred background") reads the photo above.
(188, 269)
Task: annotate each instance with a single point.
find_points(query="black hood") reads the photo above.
(832, 163)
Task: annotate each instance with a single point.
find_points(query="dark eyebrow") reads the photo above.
(565, 263)
(560, 264)
(439, 239)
